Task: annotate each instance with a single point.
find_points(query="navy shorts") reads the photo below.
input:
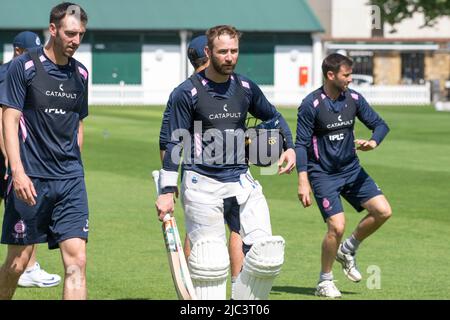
(61, 213)
(231, 214)
(355, 186)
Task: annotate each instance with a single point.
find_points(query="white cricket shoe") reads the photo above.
(348, 263)
(37, 277)
(327, 289)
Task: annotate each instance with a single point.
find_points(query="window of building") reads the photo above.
(413, 67)
(362, 67)
(362, 62)
(256, 59)
(257, 52)
(116, 58)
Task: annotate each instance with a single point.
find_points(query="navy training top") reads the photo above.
(325, 136)
(181, 112)
(52, 99)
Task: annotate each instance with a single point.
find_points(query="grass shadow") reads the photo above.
(301, 290)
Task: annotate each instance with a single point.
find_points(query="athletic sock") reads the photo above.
(350, 245)
(326, 276)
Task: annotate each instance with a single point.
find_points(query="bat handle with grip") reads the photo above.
(155, 175)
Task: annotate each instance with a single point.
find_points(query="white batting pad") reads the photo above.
(204, 215)
(261, 266)
(255, 218)
(208, 265)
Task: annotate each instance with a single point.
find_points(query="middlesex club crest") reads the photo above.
(20, 229)
(326, 204)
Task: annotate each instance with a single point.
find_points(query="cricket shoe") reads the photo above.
(348, 263)
(37, 277)
(327, 289)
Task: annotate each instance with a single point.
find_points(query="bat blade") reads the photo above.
(177, 261)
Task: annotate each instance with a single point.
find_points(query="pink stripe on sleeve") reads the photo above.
(23, 128)
(316, 148)
(28, 64)
(198, 144)
(83, 72)
(9, 187)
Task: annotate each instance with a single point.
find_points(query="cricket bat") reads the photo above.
(177, 261)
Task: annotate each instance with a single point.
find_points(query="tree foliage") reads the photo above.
(394, 11)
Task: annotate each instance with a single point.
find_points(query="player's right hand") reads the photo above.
(365, 145)
(164, 204)
(304, 195)
(304, 189)
(24, 188)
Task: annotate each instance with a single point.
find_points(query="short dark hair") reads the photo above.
(66, 8)
(197, 63)
(217, 31)
(334, 62)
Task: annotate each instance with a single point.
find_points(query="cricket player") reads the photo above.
(199, 60)
(327, 162)
(34, 275)
(45, 102)
(209, 111)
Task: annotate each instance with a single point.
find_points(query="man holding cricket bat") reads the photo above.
(208, 122)
(199, 60)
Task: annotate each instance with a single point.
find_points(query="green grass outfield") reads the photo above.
(126, 254)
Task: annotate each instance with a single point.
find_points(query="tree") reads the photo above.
(394, 11)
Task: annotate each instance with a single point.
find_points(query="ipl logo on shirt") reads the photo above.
(55, 111)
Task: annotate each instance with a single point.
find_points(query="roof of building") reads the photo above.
(247, 15)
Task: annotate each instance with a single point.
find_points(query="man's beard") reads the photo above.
(60, 47)
(222, 69)
(341, 87)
